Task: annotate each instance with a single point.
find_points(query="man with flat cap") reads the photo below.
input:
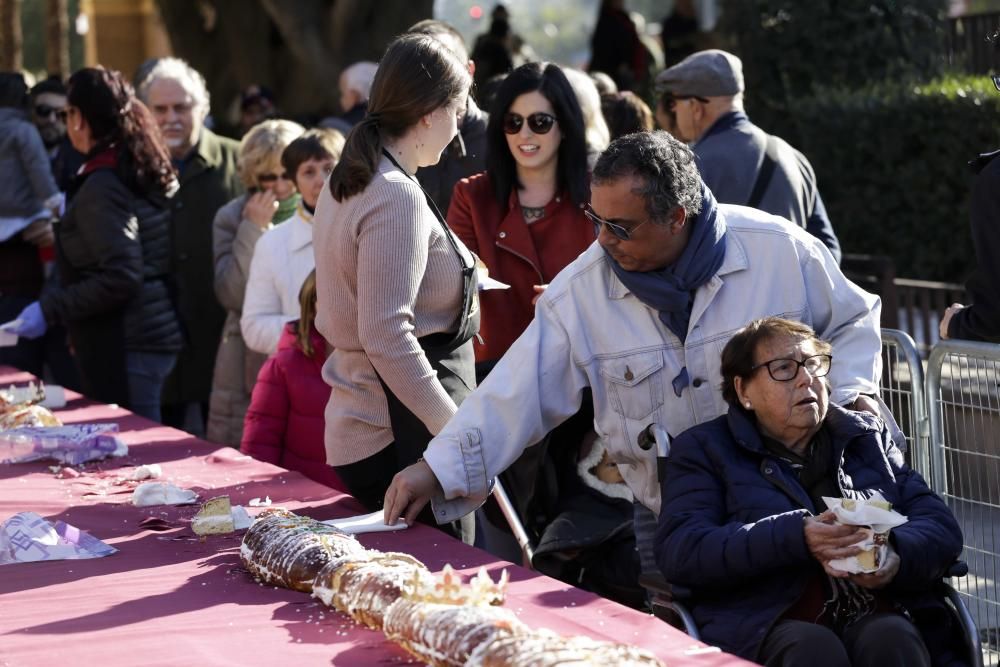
(738, 161)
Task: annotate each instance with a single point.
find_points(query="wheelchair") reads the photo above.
(667, 601)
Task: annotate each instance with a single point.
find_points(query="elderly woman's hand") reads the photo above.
(410, 490)
(828, 540)
(883, 576)
(260, 208)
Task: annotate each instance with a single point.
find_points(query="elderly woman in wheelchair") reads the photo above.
(743, 523)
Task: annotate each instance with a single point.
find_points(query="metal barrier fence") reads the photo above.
(963, 403)
(902, 390)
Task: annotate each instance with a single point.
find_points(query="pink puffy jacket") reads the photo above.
(284, 424)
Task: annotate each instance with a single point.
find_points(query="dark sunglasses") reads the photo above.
(538, 122)
(680, 98)
(264, 179)
(44, 111)
(616, 229)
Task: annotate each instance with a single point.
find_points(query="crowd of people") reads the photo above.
(420, 294)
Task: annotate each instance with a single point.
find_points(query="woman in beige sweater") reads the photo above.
(396, 289)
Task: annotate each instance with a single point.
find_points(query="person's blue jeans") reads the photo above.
(147, 371)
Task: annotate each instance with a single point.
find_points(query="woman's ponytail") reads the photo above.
(359, 159)
(417, 75)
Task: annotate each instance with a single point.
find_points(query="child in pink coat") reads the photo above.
(284, 424)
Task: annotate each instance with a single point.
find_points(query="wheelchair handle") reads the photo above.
(655, 435)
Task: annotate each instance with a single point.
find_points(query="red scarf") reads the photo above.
(106, 159)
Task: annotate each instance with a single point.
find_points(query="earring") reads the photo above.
(747, 405)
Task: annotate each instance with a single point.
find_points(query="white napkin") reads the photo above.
(366, 523)
(241, 519)
(161, 493)
(148, 471)
(487, 283)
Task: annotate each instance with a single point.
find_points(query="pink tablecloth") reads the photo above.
(168, 598)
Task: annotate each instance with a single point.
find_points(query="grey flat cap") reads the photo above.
(712, 73)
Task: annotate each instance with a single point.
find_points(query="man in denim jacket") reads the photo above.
(641, 318)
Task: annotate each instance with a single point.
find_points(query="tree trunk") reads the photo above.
(57, 38)
(11, 41)
(297, 54)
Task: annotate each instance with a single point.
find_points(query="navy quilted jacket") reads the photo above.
(732, 515)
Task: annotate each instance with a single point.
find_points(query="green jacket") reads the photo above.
(207, 182)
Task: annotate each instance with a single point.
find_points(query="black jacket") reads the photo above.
(113, 252)
(981, 320)
(463, 157)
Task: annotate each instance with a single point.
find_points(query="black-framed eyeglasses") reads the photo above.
(44, 111)
(266, 179)
(786, 370)
(619, 232)
(538, 122)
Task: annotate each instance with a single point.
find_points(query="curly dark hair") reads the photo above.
(571, 164)
(116, 116)
(666, 166)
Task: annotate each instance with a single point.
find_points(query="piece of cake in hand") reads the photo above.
(214, 518)
(445, 635)
(285, 549)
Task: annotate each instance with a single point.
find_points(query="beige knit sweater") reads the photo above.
(386, 275)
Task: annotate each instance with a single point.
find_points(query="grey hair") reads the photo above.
(665, 165)
(597, 132)
(360, 76)
(178, 70)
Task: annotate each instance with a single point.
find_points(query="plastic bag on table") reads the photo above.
(70, 445)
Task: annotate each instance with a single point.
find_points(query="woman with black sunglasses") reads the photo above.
(524, 215)
(271, 199)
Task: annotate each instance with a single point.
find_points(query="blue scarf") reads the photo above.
(671, 290)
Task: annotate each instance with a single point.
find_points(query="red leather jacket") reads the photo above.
(515, 252)
(284, 424)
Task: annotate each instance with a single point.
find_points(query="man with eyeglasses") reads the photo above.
(48, 112)
(206, 166)
(980, 320)
(740, 163)
(641, 319)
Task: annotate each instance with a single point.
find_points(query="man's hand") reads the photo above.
(865, 404)
(882, 577)
(539, 290)
(260, 208)
(946, 319)
(39, 233)
(410, 490)
(828, 541)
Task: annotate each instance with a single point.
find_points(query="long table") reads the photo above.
(168, 597)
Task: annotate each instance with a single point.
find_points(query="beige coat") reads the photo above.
(236, 368)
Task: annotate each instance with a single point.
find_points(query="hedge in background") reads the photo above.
(791, 47)
(892, 166)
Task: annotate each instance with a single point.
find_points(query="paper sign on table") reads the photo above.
(366, 523)
(27, 537)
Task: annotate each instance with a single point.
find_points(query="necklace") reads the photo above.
(532, 213)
